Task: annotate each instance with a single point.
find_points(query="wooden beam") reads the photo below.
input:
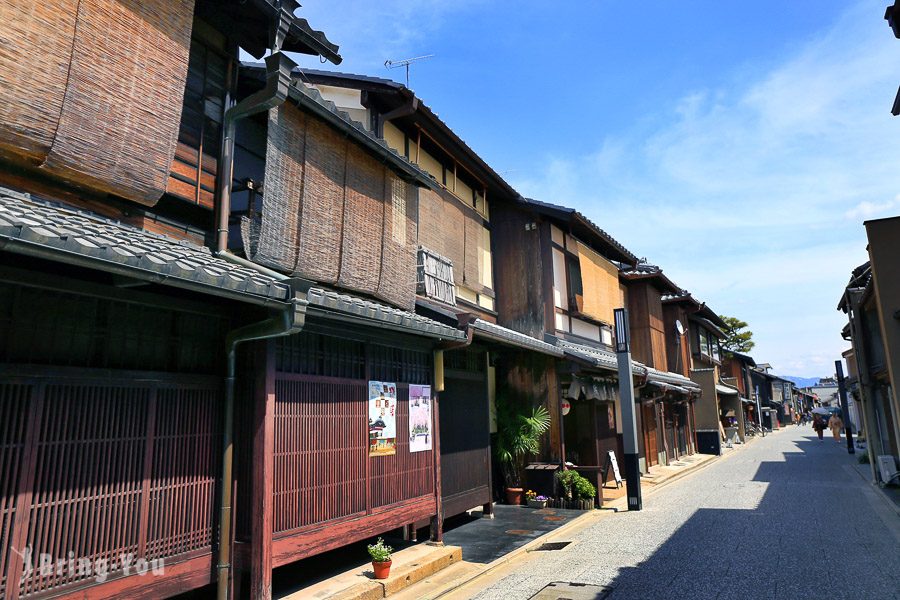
(263, 486)
(437, 521)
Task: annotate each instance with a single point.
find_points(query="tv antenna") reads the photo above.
(396, 64)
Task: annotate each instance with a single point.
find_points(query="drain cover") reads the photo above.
(561, 590)
(552, 546)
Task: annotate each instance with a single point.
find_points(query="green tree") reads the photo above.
(739, 338)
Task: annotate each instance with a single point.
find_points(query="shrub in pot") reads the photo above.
(381, 558)
(519, 431)
(577, 492)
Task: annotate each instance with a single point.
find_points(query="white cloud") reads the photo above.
(868, 210)
(753, 195)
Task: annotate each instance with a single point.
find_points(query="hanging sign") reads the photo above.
(382, 418)
(566, 406)
(420, 418)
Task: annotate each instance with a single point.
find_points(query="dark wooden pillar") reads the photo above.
(437, 521)
(261, 503)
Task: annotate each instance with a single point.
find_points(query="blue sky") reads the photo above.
(740, 146)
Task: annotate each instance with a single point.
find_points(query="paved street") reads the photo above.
(786, 517)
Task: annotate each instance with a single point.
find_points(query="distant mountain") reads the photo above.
(801, 382)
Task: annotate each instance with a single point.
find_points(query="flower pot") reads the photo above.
(382, 569)
(514, 495)
(537, 504)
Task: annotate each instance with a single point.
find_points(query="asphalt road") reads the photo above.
(787, 517)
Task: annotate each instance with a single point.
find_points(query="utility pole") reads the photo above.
(626, 397)
(842, 391)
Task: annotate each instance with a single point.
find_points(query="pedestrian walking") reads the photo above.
(835, 424)
(819, 425)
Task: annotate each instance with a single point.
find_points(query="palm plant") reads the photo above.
(519, 431)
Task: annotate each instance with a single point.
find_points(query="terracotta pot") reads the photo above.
(382, 569)
(514, 495)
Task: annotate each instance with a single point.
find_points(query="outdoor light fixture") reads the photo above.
(623, 341)
(629, 418)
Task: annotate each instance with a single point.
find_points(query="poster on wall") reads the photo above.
(419, 418)
(382, 418)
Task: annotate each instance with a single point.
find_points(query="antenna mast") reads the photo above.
(396, 64)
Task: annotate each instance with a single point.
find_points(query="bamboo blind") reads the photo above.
(454, 231)
(36, 39)
(120, 115)
(363, 222)
(333, 213)
(600, 284)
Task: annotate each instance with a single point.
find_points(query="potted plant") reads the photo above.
(381, 558)
(535, 500)
(519, 432)
(577, 491)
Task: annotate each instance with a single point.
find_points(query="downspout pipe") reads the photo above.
(282, 323)
(275, 92)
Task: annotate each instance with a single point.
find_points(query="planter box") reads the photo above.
(571, 504)
(537, 504)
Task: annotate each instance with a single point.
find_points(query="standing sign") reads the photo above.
(612, 462)
(419, 418)
(382, 418)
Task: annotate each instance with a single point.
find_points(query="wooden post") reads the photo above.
(263, 476)
(33, 425)
(437, 521)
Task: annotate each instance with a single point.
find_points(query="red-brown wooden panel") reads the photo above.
(119, 467)
(14, 401)
(321, 444)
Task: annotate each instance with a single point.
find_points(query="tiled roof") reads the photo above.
(603, 359)
(665, 377)
(349, 307)
(571, 213)
(424, 109)
(310, 99)
(727, 390)
(648, 271)
(40, 228)
(496, 332)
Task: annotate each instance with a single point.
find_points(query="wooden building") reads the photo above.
(163, 398)
(736, 369)
(456, 281)
(666, 415)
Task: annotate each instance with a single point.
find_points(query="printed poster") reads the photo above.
(419, 418)
(382, 418)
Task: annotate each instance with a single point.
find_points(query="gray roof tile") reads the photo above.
(145, 255)
(509, 336)
(351, 306)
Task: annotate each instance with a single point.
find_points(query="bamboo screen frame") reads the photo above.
(105, 113)
(333, 213)
(600, 284)
(455, 231)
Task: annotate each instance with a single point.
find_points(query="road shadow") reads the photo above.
(800, 528)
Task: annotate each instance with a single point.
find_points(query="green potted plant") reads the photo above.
(577, 491)
(519, 432)
(381, 558)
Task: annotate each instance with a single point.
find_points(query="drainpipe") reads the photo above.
(275, 92)
(282, 323)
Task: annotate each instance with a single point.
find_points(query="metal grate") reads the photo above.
(549, 546)
(564, 590)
